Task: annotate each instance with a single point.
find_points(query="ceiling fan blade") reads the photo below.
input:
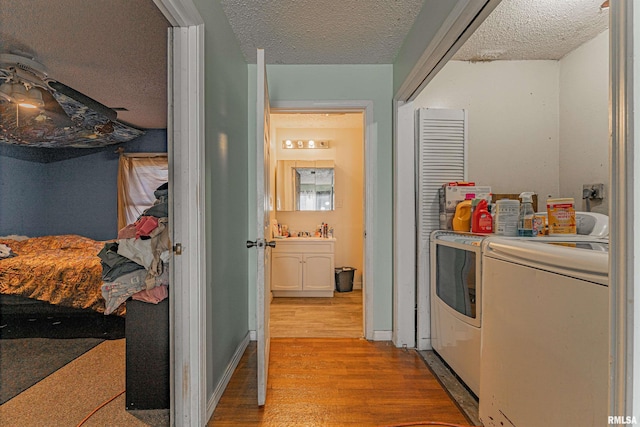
(83, 99)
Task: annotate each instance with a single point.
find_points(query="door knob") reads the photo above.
(261, 243)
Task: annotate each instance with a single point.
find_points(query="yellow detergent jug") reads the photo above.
(462, 217)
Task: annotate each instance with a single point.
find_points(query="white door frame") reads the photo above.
(624, 381)
(185, 133)
(464, 19)
(405, 290)
(370, 166)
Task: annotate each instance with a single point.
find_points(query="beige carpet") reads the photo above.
(68, 395)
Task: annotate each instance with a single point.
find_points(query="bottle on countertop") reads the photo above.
(526, 217)
(482, 222)
(462, 218)
(505, 219)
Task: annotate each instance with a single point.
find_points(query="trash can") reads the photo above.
(344, 279)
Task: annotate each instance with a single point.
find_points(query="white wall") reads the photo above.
(535, 125)
(584, 120)
(513, 121)
(347, 150)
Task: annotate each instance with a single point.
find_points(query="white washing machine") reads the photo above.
(544, 358)
(456, 292)
(456, 302)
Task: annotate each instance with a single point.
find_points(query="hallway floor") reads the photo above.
(336, 382)
(337, 317)
(323, 373)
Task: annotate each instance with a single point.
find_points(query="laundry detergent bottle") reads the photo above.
(482, 221)
(462, 218)
(526, 218)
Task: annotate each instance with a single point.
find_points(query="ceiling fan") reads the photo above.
(37, 110)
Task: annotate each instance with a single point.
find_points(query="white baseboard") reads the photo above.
(377, 335)
(382, 335)
(222, 385)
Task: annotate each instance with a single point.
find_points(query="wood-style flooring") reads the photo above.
(323, 373)
(340, 316)
(336, 382)
(312, 382)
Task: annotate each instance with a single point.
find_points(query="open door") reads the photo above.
(263, 229)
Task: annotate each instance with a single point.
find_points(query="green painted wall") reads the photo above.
(226, 188)
(339, 82)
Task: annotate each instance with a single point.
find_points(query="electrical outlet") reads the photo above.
(595, 191)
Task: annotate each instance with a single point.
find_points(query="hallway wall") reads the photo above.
(343, 82)
(226, 188)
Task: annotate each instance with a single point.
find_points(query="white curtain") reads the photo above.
(138, 177)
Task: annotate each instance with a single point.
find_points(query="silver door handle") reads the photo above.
(260, 243)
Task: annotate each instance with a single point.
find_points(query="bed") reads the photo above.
(60, 270)
(65, 272)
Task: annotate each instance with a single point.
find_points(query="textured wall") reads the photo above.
(76, 196)
(513, 121)
(584, 121)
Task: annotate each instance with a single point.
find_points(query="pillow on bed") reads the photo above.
(14, 237)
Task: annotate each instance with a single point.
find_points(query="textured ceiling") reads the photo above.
(115, 51)
(112, 51)
(535, 29)
(322, 32)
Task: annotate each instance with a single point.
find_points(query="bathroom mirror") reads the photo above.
(303, 185)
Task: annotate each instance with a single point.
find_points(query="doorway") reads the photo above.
(317, 173)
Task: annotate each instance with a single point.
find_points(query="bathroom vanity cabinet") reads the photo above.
(303, 267)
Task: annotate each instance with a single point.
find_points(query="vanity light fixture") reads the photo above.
(301, 143)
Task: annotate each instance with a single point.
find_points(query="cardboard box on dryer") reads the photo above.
(450, 194)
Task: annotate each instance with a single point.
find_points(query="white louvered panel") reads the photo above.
(441, 158)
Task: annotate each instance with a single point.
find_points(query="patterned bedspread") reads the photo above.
(63, 270)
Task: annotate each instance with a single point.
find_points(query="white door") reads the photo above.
(263, 228)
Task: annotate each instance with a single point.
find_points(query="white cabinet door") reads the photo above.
(318, 272)
(286, 272)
